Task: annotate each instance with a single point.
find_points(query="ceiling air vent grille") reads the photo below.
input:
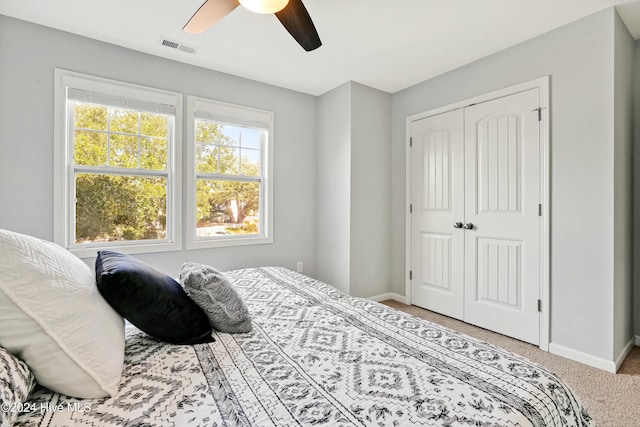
(178, 46)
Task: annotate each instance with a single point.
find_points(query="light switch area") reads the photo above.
(299, 266)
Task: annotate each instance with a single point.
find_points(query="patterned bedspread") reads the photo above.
(319, 357)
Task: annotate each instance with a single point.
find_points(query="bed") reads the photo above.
(316, 356)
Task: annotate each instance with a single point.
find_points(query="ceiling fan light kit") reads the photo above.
(291, 13)
(264, 6)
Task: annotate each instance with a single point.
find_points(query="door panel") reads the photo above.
(435, 268)
(498, 279)
(502, 192)
(436, 160)
(438, 202)
(498, 164)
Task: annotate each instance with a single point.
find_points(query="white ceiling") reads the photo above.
(385, 44)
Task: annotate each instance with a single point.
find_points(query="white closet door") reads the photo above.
(502, 193)
(437, 174)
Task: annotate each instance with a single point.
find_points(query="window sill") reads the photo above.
(228, 242)
(129, 248)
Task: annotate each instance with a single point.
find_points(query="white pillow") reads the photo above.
(53, 318)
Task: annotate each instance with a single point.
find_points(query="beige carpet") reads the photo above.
(611, 399)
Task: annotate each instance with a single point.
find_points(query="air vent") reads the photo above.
(178, 46)
(188, 49)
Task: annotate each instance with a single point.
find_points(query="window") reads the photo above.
(119, 164)
(229, 187)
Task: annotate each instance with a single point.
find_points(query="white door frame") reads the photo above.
(542, 84)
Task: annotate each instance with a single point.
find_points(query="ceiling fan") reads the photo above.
(291, 13)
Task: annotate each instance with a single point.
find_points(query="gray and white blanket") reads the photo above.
(316, 356)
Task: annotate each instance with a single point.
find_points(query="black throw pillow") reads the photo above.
(152, 301)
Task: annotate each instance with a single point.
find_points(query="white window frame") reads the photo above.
(64, 169)
(237, 115)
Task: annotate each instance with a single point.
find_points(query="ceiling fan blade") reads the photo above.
(209, 13)
(295, 18)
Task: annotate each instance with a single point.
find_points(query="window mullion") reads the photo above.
(108, 170)
(223, 177)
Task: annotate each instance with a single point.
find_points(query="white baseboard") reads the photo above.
(388, 295)
(587, 359)
(637, 337)
(625, 352)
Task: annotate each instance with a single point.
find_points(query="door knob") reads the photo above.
(468, 226)
(457, 225)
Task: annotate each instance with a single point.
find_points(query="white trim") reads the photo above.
(408, 216)
(587, 359)
(64, 79)
(389, 295)
(60, 181)
(198, 107)
(542, 84)
(625, 352)
(606, 365)
(545, 199)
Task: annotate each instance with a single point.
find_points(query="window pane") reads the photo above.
(89, 116)
(123, 151)
(125, 121)
(250, 164)
(231, 133)
(207, 158)
(227, 207)
(207, 131)
(251, 138)
(113, 208)
(153, 153)
(211, 132)
(229, 160)
(153, 125)
(243, 136)
(90, 148)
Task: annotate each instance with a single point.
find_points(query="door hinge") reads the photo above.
(411, 208)
(539, 110)
(539, 306)
(410, 275)
(539, 209)
(410, 141)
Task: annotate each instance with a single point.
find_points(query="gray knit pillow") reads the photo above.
(213, 292)
(16, 382)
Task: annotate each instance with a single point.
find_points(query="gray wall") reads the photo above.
(354, 130)
(579, 58)
(28, 55)
(370, 191)
(623, 184)
(334, 189)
